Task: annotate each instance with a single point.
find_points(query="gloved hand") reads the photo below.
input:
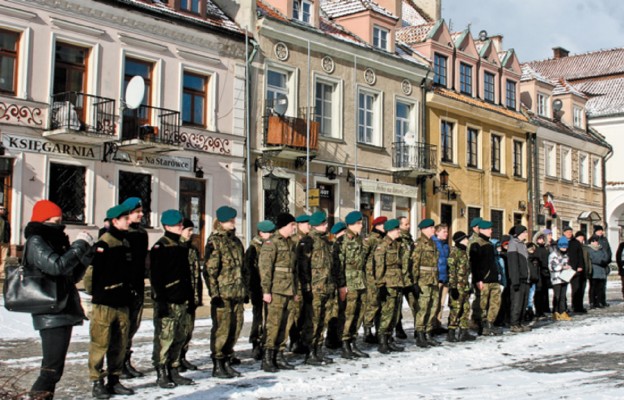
(86, 236)
(382, 294)
(217, 302)
(162, 309)
(516, 287)
(416, 290)
(454, 293)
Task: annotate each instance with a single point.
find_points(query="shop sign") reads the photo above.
(388, 188)
(42, 146)
(168, 162)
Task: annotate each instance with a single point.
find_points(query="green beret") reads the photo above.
(266, 226)
(391, 224)
(225, 213)
(132, 203)
(483, 224)
(302, 218)
(426, 223)
(318, 218)
(353, 217)
(171, 217)
(117, 211)
(338, 227)
(475, 221)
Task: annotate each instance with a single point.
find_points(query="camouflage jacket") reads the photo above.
(227, 275)
(277, 266)
(351, 258)
(388, 264)
(425, 262)
(195, 271)
(322, 275)
(251, 265)
(406, 247)
(459, 269)
(370, 243)
(336, 265)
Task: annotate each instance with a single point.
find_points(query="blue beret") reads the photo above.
(225, 213)
(483, 224)
(353, 217)
(475, 222)
(318, 218)
(171, 217)
(117, 211)
(302, 218)
(426, 223)
(338, 227)
(132, 203)
(266, 226)
(391, 224)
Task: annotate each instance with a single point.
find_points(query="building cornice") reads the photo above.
(576, 143)
(17, 13)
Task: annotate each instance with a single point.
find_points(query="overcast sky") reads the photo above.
(534, 27)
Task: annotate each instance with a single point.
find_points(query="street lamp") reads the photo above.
(443, 183)
(270, 182)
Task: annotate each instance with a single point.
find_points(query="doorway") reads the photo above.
(192, 206)
(326, 202)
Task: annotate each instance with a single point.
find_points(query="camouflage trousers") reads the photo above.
(412, 302)
(335, 316)
(459, 314)
(227, 322)
(390, 311)
(279, 319)
(319, 321)
(373, 306)
(189, 334)
(490, 301)
(353, 314)
(109, 337)
(170, 334)
(427, 305)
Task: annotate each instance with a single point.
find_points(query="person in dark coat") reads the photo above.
(604, 244)
(576, 261)
(542, 252)
(600, 270)
(620, 264)
(48, 249)
(519, 277)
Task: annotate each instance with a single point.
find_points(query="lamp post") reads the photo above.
(270, 182)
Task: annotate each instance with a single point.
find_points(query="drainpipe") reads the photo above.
(423, 135)
(536, 187)
(307, 198)
(604, 189)
(248, 60)
(356, 196)
(530, 162)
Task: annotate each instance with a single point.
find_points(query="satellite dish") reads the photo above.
(135, 92)
(280, 104)
(557, 105)
(409, 139)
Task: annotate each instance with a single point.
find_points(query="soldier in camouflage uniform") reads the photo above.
(265, 230)
(281, 289)
(187, 240)
(170, 277)
(322, 277)
(335, 307)
(459, 290)
(425, 272)
(475, 318)
(389, 282)
(407, 245)
(353, 275)
(302, 315)
(227, 285)
(372, 309)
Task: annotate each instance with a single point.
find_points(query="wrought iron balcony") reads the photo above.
(81, 117)
(287, 135)
(139, 133)
(414, 159)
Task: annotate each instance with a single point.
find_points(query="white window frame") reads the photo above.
(522, 155)
(380, 35)
(550, 160)
(584, 168)
(454, 137)
(337, 104)
(566, 163)
(542, 105)
(479, 146)
(298, 7)
(377, 139)
(292, 83)
(502, 168)
(210, 108)
(596, 172)
(92, 62)
(412, 118)
(578, 117)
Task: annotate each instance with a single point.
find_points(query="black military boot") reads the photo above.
(163, 380)
(487, 329)
(421, 340)
(383, 345)
(99, 390)
(282, 362)
(465, 336)
(399, 332)
(432, 342)
(218, 369)
(321, 355)
(185, 365)
(393, 346)
(228, 367)
(256, 352)
(178, 379)
(357, 352)
(115, 387)
(312, 358)
(267, 361)
(495, 330)
(369, 337)
(346, 350)
(451, 336)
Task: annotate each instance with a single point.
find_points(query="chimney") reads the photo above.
(497, 40)
(560, 52)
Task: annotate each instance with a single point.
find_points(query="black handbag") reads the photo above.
(27, 289)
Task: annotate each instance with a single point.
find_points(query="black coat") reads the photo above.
(112, 270)
(483, 261)
(170, 274)
(48, 249)
(575, 254)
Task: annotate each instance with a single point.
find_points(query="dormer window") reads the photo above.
(465, 78)
(578, 117)
(190, 6)
(380, 37)
(488, 87)
(439, 69)
(542, 105)
(302, 11)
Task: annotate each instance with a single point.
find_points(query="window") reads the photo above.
(566, 164)
(324, 108)
(596, 172)
(9, 44)
(447, 141)
(276, 84)
(380, 38)
(133, 119)
(367, 118)
(473, 212)
(496, 216)
(542, 105)
(67, 190)
(439, 69)
(583, 169)
(70, 64)
(517, 218)
(578, 117)
(194, 99)
(473, 147)
(496, 153)
(137, 185)
(190, 5)
(302, 11)
(550, 160)
(405, 153)
(511, 94)
(518, 148)
(488, 87)
(465, 78)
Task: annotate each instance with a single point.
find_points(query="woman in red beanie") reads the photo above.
(48, 248)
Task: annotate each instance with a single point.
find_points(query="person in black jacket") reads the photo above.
(112, 295)
(48, 249)
(542, 252)
(519, 277)
(576, 261)
(620, 264)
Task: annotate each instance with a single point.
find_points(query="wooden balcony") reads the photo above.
(286, 136)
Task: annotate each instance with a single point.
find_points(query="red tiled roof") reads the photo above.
(581, 66)
(563, 87)
(269, 11)
(560, 127)
(341, 8)
(606, 97)
(416, 14)
(480, 103)
(414, 34)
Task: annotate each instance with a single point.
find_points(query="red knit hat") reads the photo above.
(379, 220)
(44, 210)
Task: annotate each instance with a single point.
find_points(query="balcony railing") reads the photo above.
(290, 132)
(137, 124)
(417, 156)
(82, 112)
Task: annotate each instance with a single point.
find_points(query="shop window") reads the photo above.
(67, 190)
(496, 216)
(137, 185)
